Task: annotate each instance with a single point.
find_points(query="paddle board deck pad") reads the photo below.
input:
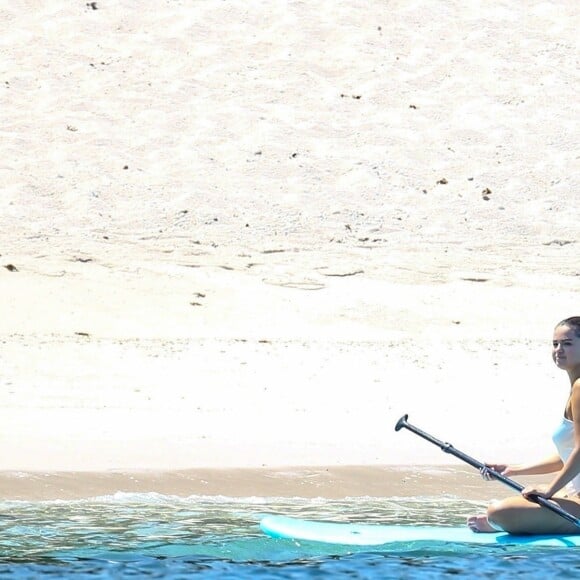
(378, 535)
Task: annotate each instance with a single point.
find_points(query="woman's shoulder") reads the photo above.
(575, 393)
(573, 404)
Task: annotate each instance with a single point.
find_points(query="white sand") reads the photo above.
(226, 258)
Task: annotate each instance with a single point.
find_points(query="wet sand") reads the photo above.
(308, 482)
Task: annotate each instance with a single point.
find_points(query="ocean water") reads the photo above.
(160, 536)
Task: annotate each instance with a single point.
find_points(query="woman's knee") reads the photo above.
(497, 515)
(513, 514)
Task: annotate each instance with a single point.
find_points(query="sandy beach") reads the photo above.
(239, 240)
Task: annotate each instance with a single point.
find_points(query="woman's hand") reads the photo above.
(501, 468)
(530, 492)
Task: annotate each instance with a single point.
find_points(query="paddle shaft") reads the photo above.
(402, 423)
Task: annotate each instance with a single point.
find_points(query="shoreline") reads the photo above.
(307, 482)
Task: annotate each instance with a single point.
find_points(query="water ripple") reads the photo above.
(148, 535)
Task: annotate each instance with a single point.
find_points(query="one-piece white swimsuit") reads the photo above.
(563, 438)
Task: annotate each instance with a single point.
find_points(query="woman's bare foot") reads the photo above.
(480, 524)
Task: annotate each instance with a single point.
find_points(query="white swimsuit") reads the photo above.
(563, 438)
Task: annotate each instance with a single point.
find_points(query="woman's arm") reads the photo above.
(548, 465)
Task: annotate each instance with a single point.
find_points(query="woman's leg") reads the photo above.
(517, 515)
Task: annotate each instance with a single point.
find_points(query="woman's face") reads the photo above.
(566, 348)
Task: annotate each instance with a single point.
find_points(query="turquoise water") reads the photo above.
(157, 536)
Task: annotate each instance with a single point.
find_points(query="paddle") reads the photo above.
(448, 448)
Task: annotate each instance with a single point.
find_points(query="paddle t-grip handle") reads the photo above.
(402, 422)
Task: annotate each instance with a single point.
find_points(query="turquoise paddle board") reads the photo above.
(378, 535)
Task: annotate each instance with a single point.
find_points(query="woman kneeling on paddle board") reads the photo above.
(518, 515)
